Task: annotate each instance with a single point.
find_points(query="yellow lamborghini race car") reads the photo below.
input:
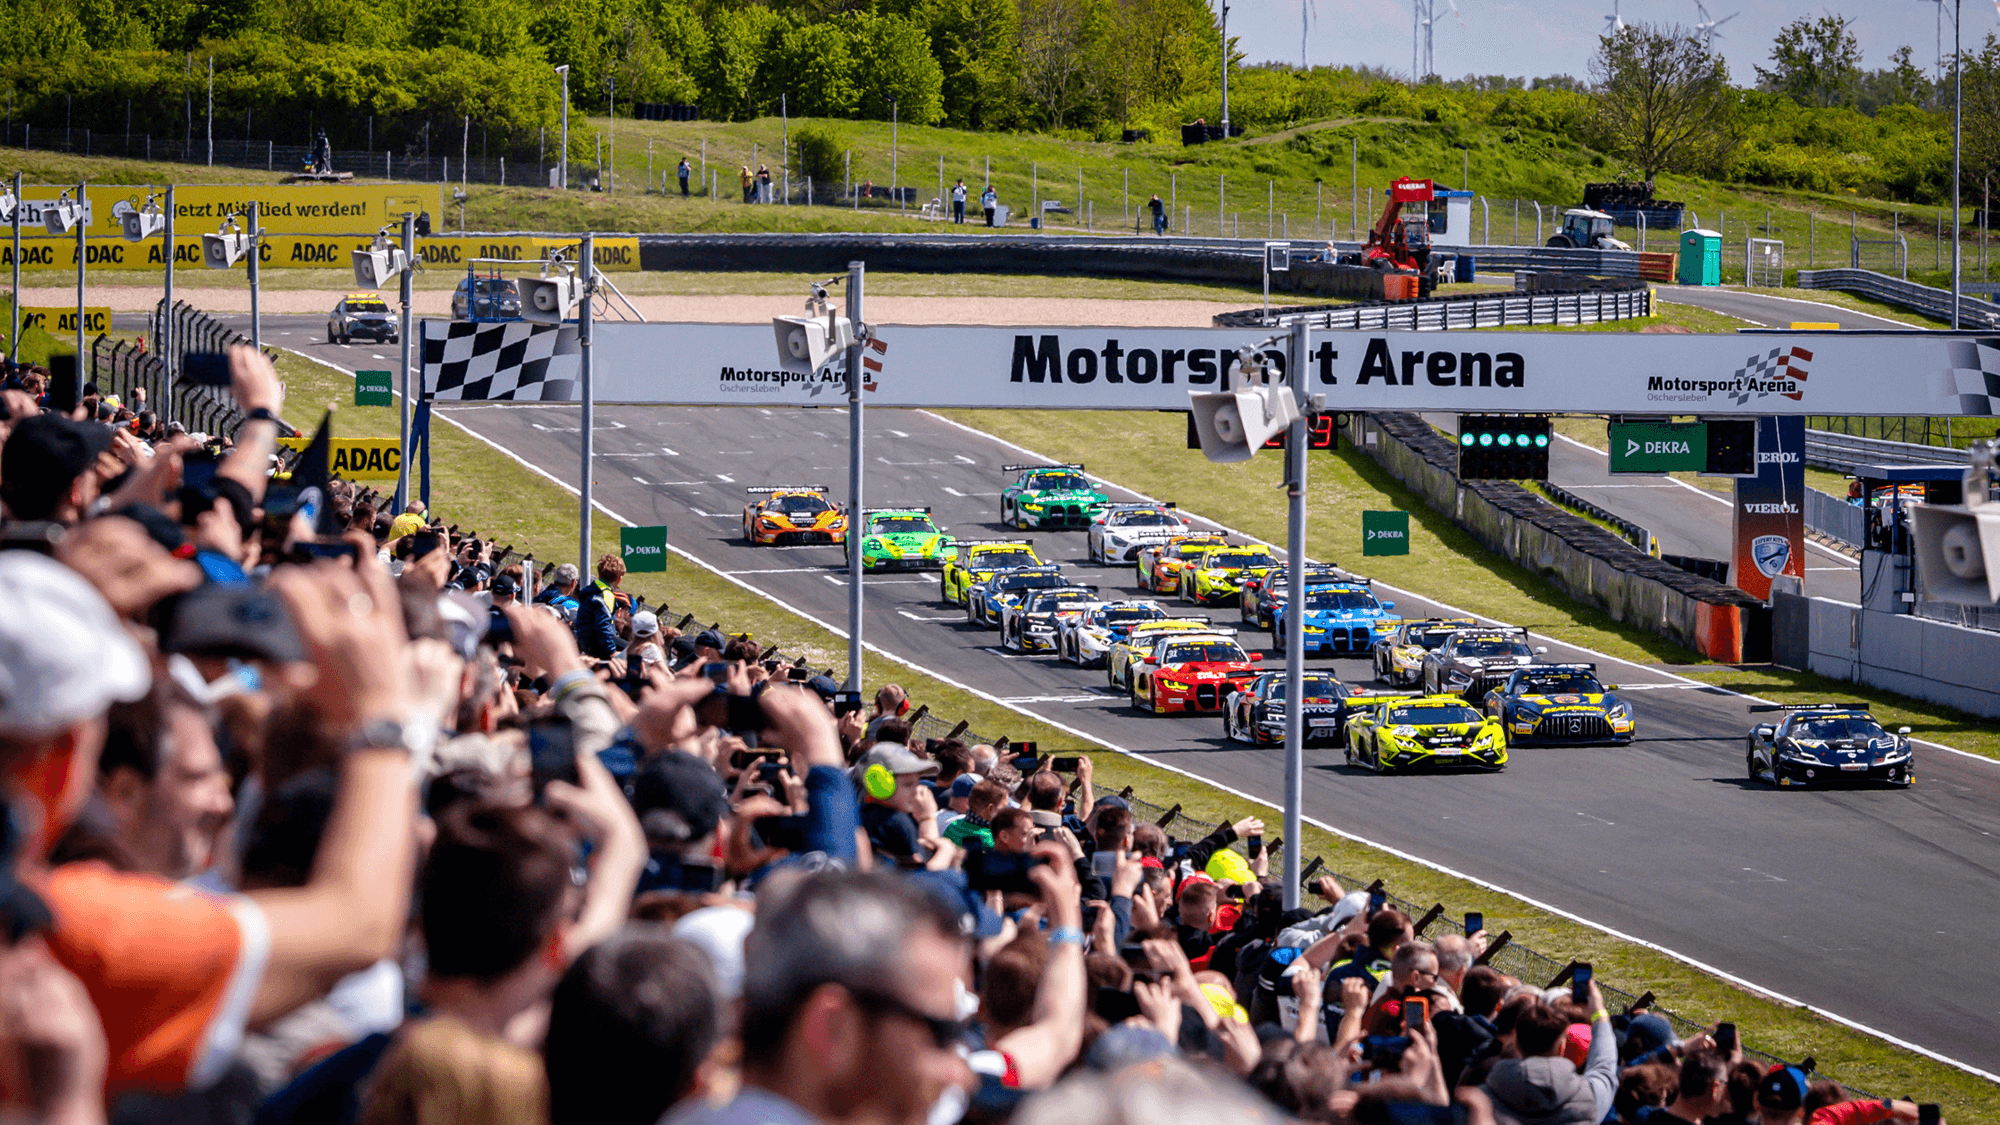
(1216, 576)
(792, 513)
(972, 561)
(1435, 731)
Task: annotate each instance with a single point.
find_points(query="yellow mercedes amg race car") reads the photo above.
(972, 561)
(1137, 644)
(792, 513)
(1160, 566)
(1432, 732)
(1216, 576)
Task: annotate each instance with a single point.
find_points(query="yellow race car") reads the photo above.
(1160, 566)
(1137, 644)
(1433, 731)
(792, 513)
(1399, 657)
(972, 561)
(1216, 576)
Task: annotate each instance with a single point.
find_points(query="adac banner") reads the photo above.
(1084, 368)
(1770, 519)
(310, 251)
(358, 458)
(60, 320)
(281, 209)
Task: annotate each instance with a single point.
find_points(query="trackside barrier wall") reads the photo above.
(1936, 661)
(1460, 311)
(1587, 562)
(1834, 516)
(1972, 312)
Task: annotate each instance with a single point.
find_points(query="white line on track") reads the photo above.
(899, 433)
(928, 617)
(1220, 787)
(783, 570)
(955, 492)
(669, 452)
(725, 478)
(641, 480)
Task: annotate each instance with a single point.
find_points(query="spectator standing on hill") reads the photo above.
(958, 202)
(763, 183)
(1159, 210)
(989, 199)
(683, 172)
(749, 183)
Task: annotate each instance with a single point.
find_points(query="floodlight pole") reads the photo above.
(14, 341)
(256, 252)
(403, 362)
(83, 373)
(1295, 609)
(165, 336)
(562, 158)
(854, 452)
(1957, 138)
(1225, 74)
(589, 255)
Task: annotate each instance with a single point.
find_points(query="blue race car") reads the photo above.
(1560, 703)
(1341, 617)
(1009, 588)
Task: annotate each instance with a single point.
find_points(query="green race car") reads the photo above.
(1051, 496)
(902, 539)
(1437, 732)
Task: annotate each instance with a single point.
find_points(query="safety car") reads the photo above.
(1437, 731)
(1265, 591)
(1215, 577)
(1256, 714)
(1472, 662)
(1827, 744)
(1341, 617)
(971, 561)
(1399, 656)
(1086, 638)
(788, 514)
(1138, 640)
(1049, 496)
(1029, 623)
(1560, 703)
(901, 539)
(1193, 672)
(986, 600)
(1119, 531)
(361, 316)
(1160, 565)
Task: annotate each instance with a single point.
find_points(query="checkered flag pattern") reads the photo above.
(511, 361)
(1778, 363)
(1972, 376)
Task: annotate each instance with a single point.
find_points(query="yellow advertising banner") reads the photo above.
(358, 458)
(307, 251)
(282, 209)
(60, 320)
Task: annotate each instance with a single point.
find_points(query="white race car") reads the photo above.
(1118, 532)
(1086, 638)
(1029, 624)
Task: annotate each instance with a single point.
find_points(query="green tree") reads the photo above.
(1059, 71)
(727, 70)
(893, 64)
(1663, 99)
(813, 65)
(976, 44)
(1814, 62)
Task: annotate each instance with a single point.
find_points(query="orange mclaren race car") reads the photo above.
(792, 513)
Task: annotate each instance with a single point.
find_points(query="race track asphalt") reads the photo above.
(1866, 904)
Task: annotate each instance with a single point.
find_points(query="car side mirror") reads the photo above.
(1388, 605)
(1610, 687)
(1764, 729)
(1540, 649)
(1902, 730)
(1258, 658)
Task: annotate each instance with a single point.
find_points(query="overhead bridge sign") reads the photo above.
(1659, 447)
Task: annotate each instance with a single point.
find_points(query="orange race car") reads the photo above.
(1160, 566)
(792, 513)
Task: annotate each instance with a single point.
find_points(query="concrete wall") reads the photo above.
(1589, 563)
(1934, 661)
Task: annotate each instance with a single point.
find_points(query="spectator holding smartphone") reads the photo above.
(1543, 1088)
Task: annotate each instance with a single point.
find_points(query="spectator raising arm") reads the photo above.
(254, 383)
(1046, 1046)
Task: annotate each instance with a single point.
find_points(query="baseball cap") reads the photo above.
(709, 638)
(678, 797)
(897, 759)
(719, 932)
(961, 786)
(505, 586)
(951, 888)
(248, 622)
(1783, 1088)
(645, 623)
(64, 657)
(825, 686)
(1226, 866)
(43, 456)
(161, 527)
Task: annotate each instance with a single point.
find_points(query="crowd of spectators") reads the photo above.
(318, 812)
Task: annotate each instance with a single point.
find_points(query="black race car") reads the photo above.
(1257, 713)
(1827, 744)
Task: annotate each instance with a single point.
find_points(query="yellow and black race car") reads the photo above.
(1435, 732)
(972, 561)
(1160, 565)
(1399, 657)
(1216, 576)
(789, 514)
(1560, 703)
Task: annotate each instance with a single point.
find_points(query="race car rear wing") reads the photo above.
(1025, 468)
(1364, 694)
(924, 508)
(761, 489)
(1577, 667)
(993, 542)
(1808, 707)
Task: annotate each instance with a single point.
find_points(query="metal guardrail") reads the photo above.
(1639, 536)
(1924, 299)
(1842, 452)
(1500, 310)
(1833, 516)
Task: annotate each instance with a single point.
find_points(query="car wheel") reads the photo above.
(1750, 765)
(329, 335)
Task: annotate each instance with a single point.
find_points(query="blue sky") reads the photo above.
(1539, 37)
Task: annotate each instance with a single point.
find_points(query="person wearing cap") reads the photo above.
(1543, 1088)
(52, 468)
(891, 777)
(680, 800)
(173, 1013)
(645, 647)
(983, 800)
(1781, 1098)
(506, 591)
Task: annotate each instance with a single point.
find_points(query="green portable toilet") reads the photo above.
(1701, 257)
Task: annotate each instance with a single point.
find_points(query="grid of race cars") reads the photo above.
(1449, 693)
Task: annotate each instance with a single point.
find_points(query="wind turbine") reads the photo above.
(1709, 27)
(1424, 61)
(1616, 22)
(1309, 11)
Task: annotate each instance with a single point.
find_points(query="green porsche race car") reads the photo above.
(1051, 496)
(901, 539)
(1437, 732)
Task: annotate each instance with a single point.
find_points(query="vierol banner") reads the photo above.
(1155, 368)
(1770, 510)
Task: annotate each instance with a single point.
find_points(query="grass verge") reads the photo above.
(476, 485)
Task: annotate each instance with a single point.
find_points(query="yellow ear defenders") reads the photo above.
(879, 782)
